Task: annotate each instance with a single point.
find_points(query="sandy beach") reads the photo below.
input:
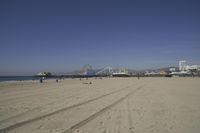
(108, 105)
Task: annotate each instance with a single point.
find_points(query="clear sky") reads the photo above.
(64, 35)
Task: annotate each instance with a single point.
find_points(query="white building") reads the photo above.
(120, 73)
(182, 65)
(172, 69)
(193, 67)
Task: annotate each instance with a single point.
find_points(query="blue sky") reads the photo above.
(63, 35)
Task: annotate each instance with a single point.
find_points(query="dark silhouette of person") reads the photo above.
(138, 76)
(41, 80)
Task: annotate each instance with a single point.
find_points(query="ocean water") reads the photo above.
(18, 78)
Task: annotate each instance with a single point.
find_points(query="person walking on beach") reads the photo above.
(41, 80)
(138, 76)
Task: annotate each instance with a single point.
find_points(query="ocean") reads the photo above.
(18, 78)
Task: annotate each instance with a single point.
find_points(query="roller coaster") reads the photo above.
(87, 70)
(105, 71)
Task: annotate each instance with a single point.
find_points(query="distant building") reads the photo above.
(120, 73)
(186, 70)
(193, 67)
(172, 69)
(163, 73)
(182, 65)
(152, 73)
(43, 74)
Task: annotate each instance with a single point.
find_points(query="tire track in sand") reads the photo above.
(21, 123)
(95, 115)
(129, 116)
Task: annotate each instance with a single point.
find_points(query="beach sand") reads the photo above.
(108, 105)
